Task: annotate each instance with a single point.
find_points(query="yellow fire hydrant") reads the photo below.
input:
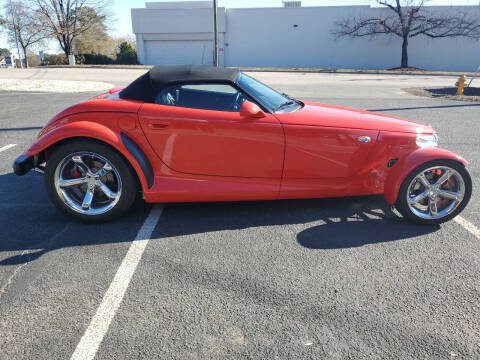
(461, 84)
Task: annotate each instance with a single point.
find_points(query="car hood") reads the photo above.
(314, 114)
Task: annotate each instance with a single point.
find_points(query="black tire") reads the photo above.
(128, 178)
(402, 204)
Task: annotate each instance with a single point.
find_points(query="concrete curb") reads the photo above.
(294, 70)
(126, 67)
(356, 71)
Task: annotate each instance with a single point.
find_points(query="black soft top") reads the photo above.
(147, 86)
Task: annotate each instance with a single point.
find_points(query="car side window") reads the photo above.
(208, 96)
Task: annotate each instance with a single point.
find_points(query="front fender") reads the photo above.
(92, 130)
(405, 165)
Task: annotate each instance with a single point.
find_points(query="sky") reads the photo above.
(121, 25)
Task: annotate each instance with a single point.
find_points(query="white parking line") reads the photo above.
(6, 147)
(92, 338)
(468, 225)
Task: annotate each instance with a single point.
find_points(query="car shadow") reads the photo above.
(30, 226)
(363, 230)
(335, 223)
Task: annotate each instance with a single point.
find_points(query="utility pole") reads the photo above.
(15, 33)
(215, 30)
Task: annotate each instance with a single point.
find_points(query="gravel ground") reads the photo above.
(54, 86)
(449, 93)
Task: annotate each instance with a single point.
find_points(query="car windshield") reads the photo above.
(270, 98)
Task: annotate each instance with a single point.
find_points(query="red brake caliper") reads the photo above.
(76, 174)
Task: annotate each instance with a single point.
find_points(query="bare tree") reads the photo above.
(23, 25)
(408, 19)
(67, 18)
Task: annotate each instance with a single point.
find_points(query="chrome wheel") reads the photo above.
(88, 183)
(435, 192)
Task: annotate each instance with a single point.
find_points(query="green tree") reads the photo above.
(126, 53)
(4, 52)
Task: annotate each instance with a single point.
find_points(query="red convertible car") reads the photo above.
(197, 133)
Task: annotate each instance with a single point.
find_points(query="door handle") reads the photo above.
(157, 125)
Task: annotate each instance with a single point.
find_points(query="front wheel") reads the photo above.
(90, 180)
(435, 192)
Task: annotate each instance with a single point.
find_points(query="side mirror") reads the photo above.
(249, 109)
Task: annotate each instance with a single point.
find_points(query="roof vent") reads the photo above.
(290, 3)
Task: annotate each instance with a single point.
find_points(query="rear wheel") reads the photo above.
(90, 181)
(435, 192)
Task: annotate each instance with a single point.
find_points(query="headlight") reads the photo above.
(427, 140)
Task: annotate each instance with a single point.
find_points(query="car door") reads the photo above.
(317, 152)
(325, 142)
(198, 129)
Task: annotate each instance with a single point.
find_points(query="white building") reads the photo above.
(291, 36)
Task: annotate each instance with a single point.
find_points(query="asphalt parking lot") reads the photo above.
(326, 278)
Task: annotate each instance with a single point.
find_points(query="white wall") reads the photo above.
(174, 33)
(266, 37)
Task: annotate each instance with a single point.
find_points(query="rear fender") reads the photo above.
(92, 130)
(408, 163)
